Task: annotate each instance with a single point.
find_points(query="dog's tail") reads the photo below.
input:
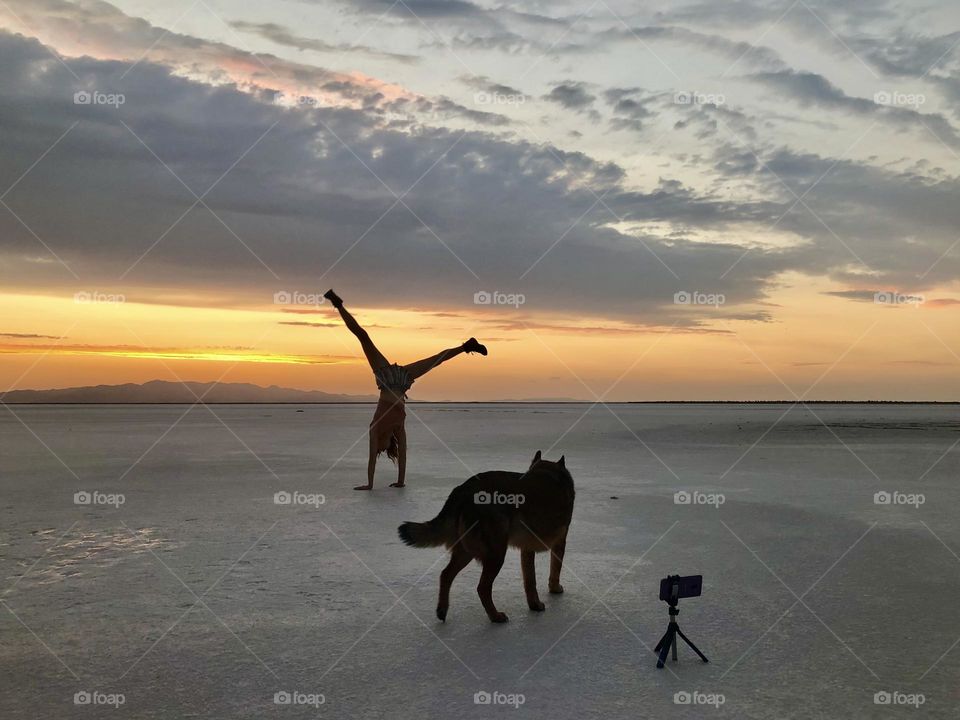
(422, 535)
(442, 530)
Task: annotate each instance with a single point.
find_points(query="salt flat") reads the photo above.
(198, 596)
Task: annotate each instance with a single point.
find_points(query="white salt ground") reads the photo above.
(200, 597)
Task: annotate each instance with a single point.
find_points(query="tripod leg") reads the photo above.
(664, 646)
(692, 646)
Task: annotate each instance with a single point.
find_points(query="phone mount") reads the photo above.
(669, 640)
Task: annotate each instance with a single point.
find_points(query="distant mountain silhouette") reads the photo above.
(161, 391)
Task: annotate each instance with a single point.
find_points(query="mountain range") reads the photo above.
(161, 391)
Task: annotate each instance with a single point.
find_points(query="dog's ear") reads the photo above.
(562, 462)
(536, 458)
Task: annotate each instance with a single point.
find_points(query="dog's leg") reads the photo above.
(459, 559)
(529, 567)
(556, 563)
(492, 562)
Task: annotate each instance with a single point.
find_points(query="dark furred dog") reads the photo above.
(492, 510)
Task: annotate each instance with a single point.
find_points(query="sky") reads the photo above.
(717, 200)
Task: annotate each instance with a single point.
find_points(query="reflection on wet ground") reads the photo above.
(79, 550)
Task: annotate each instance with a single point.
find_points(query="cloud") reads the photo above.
(303, 323)
(631, 108)
(212, 354)
(898, 227)
(466, 25)
(876, 296)
(433, 9)
(532, 326)
(737, 51)
(925, 363)
(861, 295)
(914, 62)
(571, 95)
(312, 190)
(736, 13)
(28, 336)
(460, 11)
(444, 107)
(485, 84)
(906, 55)
(282, 36)
(98, 29)
(812, 89)
(300, 191)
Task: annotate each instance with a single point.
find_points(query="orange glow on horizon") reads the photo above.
(208, 355)
(829, 347)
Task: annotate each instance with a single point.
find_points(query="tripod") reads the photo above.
(669, 639)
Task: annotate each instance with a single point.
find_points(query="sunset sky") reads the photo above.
(710, 200)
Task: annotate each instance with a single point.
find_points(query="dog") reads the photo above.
(489, 512)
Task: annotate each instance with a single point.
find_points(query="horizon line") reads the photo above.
(506, 402)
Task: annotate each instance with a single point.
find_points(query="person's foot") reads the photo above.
(397, 484)
(333, 298)
(364, 487)
(472, 346)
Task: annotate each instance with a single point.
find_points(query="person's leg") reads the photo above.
(422, 367)
(401, 435)
(371, 463)
(372, 353)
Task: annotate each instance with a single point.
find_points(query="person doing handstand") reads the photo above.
(387, 433)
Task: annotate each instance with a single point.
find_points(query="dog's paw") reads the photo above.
(537, 606)
(499, 618)
(556, 589)
(442, 614)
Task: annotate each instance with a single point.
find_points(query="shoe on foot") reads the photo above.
(333, 298)
(472, 346)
